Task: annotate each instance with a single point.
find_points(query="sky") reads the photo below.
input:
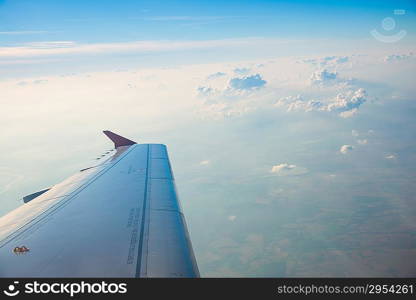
(289, 124)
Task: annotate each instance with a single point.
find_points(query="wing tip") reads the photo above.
(118, 140)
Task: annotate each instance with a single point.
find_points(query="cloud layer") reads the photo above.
(237, 151)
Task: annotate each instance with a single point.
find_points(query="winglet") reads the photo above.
(118, 140)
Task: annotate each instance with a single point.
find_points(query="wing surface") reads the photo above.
(121, 218)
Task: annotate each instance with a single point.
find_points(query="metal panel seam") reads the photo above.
(140, 250)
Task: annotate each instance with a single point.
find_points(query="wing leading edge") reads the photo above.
(121, 218)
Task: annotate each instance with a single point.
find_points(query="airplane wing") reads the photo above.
(119, 218)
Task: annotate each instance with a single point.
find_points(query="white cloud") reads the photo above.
(235, 97)
(348, 113)
(323, 77)
(247, 83)
(354, 133)
(288, 169)
(349, 102)
(49, 48)
(362, 142)
(294, 103)
(232, 218)
(281, 167)
(57, 48)
(49, 108)
(390, 156)
(220, 100)
(346, 149)
(346, 104)
(204, 163)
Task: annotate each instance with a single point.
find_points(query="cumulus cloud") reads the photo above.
(204, 163)
(294, 103)
(247, 83)
(293, 88)
(223, 98)
(287, 169)
(346, 149)
(345, 104)
(349, 102)
(390, 156)
(236, 90)
(362, 142)
(326, 78)
(323, 76)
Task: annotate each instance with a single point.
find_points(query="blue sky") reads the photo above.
(111, 21)
(290, 126)
(85, 35)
